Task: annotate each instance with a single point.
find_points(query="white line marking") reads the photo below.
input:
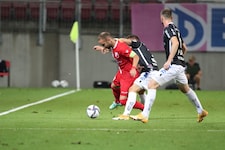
(38, 102)
(113, 129)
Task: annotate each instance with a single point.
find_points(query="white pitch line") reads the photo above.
(112, 129)
(38, 102)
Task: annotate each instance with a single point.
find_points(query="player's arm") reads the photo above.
(102, 49)
(134, 64)
(127, 41)
(184, 48)
(173, 52)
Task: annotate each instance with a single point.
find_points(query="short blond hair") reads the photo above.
(167, 13)
(104, 35)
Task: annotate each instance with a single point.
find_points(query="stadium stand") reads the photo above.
(115, 10)
(20, 10)
(6, 8)
(34, 10)
(61, 13)
(53, 10)
(101, 10)
(87, 10)
(68, 10)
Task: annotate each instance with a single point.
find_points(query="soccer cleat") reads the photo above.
(139, 117)
(122, 117)
(202, 115)
(114, 105)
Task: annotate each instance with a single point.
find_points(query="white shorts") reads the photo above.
(143, 80)
(176, 72)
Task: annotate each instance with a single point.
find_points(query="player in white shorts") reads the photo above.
(175, 72)
(173, 68)
(148, 67)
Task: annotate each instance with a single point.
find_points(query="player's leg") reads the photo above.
(150, 98)
(129, 103)
(131, 100)
(115, 86)
(126, 82)
(197, 79)
(133, 96)
(142, 95)
(116, 92)
(184, 87)
(149, 101)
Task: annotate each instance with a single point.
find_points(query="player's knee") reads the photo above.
(113, 86)
(134, 88)
(153, 85)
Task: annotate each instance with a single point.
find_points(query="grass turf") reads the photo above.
(62, 124)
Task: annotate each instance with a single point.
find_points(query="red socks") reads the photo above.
(137, 105)
(116, 93)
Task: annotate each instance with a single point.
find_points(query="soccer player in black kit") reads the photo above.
(148, 66)
(173, 69)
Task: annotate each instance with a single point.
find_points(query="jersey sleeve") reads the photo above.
(170, 32)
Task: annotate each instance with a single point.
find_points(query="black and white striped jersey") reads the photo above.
(146, 59)
(170, 31)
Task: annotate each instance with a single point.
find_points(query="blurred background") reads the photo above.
(34, 38)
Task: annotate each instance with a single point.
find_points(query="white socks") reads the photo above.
(142, 98)
(194, 100)
(130, 103)
(150, 98)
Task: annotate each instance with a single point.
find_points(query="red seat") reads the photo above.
(68, 10)
(179, 1)
(20, 10)
(101, 9)
(115, 10)
(52, 10)
(5, 71)
(6, 10)
(86, 9)
(34, 10)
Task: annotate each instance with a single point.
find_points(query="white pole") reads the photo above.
(77, 69)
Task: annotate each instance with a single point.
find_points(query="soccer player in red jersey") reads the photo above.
(127, 61)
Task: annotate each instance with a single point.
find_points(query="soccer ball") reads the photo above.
(64, 83)
(93, 111)
(55, 83)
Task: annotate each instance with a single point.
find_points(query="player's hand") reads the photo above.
(98, 48)
(133, 72)
(101, 49)
(139, 68)
(166, 66)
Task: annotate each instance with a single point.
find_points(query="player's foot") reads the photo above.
(139, 117)
(198, 88)
(202, 115)
(122, 117)
(114, 105)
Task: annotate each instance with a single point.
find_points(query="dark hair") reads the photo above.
(167, 13)
(132, 36)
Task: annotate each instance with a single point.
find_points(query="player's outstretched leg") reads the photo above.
(195, 101)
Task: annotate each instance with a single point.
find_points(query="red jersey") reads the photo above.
(121, 53)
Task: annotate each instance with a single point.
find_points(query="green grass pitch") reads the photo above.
(62, 123)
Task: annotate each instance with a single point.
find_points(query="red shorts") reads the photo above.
(124, 80)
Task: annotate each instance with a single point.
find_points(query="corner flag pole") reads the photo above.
(74, 37)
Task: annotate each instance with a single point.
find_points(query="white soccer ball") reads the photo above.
(93, 111)
(55, 83)
(64, 83)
